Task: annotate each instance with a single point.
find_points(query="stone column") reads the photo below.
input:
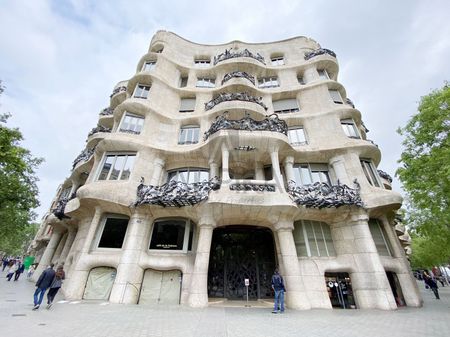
(225, 158)
(198, 291)
(48, 253)
(352, 238)
(69, 241)
(296, 297)
(158, 165)
(213, 169)
(59, 249)
(276, 170)
(129, 276)
(338, 165)
(289, 168)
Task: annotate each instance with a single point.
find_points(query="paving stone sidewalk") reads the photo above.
(101, 319)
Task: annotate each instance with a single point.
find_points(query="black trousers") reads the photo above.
(51, 294)
(436, 292)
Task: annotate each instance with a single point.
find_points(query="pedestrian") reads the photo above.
(12, 267)
(279, 289)
(5, 262)
(20, 270)
(30, 271)
(431, 283)
(42, 284)
(60, 275)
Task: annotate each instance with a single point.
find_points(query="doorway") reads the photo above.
(339, 287)
(161, 287)
(396, 289)
(239, 253)
(99, 283)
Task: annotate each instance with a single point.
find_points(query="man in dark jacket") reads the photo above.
(42, 284)
(278, 287)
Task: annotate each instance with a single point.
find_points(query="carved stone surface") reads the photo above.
(270, 123)
(321, 195)
(252, 187)
(85, 155)
(99, 128)
(106, 112)
(239, 96)
(350, 102)
(228, 54)
(117, 90)
(175, 193)
(385, 175)
(318, 52)
(238, 74)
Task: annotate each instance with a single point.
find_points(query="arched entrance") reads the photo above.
(239, 253)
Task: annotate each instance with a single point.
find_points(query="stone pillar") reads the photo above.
(158, 165)
(296, 297)
(213, 169)
(276, 170)
(225, 158)
(198, 291)
(69, 241)
(310, 75)
(338, 165)
(129, 276)
(59, 249)
(369, 281)
(48, 253)
(259, 171)
(289, 168)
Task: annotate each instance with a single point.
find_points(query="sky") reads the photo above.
(60, 60)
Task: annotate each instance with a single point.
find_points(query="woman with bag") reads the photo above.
(60, 275)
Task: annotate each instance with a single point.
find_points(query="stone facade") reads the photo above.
(240, 136)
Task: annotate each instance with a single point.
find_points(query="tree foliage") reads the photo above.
(425, 174)
(18, 189)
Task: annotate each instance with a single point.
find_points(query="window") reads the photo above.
(202, 63)
(113, 233)
(268, 172)
(183, 81)
(189, 175)
(268, 82)
(158, 49)
(116, 167)
(297, 136)
(323, 74)
(380, 237)
(141, 91)
(285, 105)
(301, 80)
(172, 234)
(370, 172)
(187, 105)
(149, 65)
(131, 123)
(350, 128)
(206, 82)
(65, 193)
(277, 61)
(189, 134)
(306, 174)
(313, 238)
(336, 96)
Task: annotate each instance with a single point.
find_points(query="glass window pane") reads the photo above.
(328, 239)
(106, 167)
(311, 240)
(299, 239)
(113, 233)
(168, 235)
(127, 168)
(306, 177)
(117, 167)
(378, 238)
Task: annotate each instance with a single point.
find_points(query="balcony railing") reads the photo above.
(238, 74)
(85, 155)
(384, 175)
(117, 90)
(322, 195)
(175, 193)
(318, 52)
(106, 112)
(99, 128)
(270, 123)
(350, 102)
(228, 54)
(58, 211)
(251, 186)
(239, 96)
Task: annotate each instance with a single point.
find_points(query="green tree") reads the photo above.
(18, 189)
(425, 174)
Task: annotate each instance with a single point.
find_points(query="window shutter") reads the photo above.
(187, 104)
(285, 104)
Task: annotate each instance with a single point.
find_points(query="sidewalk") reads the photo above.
(101, 319)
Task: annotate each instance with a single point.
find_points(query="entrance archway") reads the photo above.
(239, 253)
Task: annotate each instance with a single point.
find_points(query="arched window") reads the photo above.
(313, 238)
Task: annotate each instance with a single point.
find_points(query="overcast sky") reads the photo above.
(60, 60)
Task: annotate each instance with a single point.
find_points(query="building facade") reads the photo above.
(213, 165)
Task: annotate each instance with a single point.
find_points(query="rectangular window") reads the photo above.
(286, 105)
(172, 235)
(116, 167)
(149, 65)
(183, 81)
(306, 174)
(206, 82)
(380, 238)
(189, 175)
(113, 233)
(268, 82)
(336, 96)
(187, 105)
(370, 172)
(277, 61)
(349, 127)
(141, 91)
(313, 238)
(189, 134)
(131, 123)
(323, 74)
(301, 80)
(202, 63)
(297, 136)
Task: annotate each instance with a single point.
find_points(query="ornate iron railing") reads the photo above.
(133, 132)
(117, 90)
(228, 54)
(384, 175)
(85, 155)
(238, 74)
(58, 211)
(175, 193)
(318, 52)
(350, 102)
(321, 195)
(98, 128)
(252, 187)
(106, 112)
(372, 142)
(239, 96)
(270, 123)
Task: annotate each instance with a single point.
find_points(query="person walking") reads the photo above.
(5, 262)
(431, 283)
(279, 289)
(42, 284)
(60, 275)
(12, 268)
(20, 270)
(30, 271)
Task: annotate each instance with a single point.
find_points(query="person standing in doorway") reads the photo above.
(431, 283)
(60, 275)
(279, 289)
(42, 284)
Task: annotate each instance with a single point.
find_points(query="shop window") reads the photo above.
(306, 174)
(313, 238)
(172, 235)
(116, 167)
(131, 123)
(286, 105)
(380, 237)
(370, 172)
(350, 129)
(113, 233)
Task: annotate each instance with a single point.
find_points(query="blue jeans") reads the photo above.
(39, 292)
(279, 300)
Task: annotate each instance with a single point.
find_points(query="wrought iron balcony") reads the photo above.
(239, 96)
(384, 175)
(318, 52)
(228, 54)
(252, 187)
(58, 211)
(270, 123)
(98, 128)
(321, 195)
(85, 155)
(117, 90)
(238, 74)
(350, 102)
(106, 112)
(175, 193)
